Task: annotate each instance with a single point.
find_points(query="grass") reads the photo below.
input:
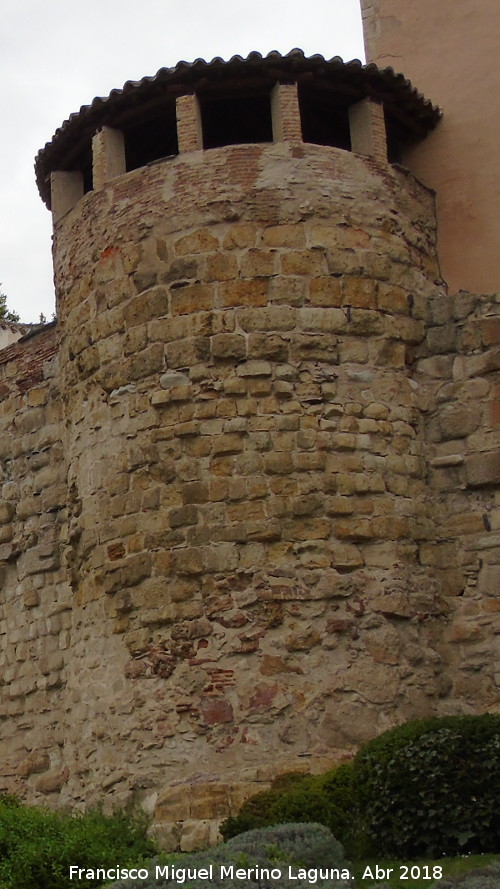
(450, 866)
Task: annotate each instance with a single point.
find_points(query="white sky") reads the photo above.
(57, 55)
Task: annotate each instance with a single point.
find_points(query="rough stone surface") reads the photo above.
(249, 508)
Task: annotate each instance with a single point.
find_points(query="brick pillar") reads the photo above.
(287, 126)
(108, 156)
(367, 125)
(66, 189)
(189, 129)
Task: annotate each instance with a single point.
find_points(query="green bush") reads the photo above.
(427, 788)
(310, 845)
(278, 847)
(432, 787)
(37, 846)
(257, 811)
(329, 799)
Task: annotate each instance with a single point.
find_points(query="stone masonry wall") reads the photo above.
(246, 472)
(249, 509)
(458, 371)
(36, 598)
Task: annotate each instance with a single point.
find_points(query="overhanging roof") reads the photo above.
(350, 79)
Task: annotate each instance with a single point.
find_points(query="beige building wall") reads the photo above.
(448, 50)
(11, 332)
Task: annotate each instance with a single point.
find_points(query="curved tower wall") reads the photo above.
(245, 470)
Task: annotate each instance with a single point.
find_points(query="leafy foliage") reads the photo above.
(38, 846)
(426, 788)
(5, 314)
(329, 799)
(310, 845)
(432, 787)
(292, 845)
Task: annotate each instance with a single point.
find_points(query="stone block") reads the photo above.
(228, 345)
(192, 629)
(489, 580)
(198, 835)
(461, 632)
(243, 292)
(391, 298)
(490, 331)
(353, 350)
(267, 345)
(409, 330)
(303, 262)
(31, 598)
(148, 362)
(376, 411)
(37, 396)
(479, 365)
(254, 369)
(179, 273)
(288, 291)
(355, 529)
(221, 267)
(34, 764)
(133, 569)
(189, 561)
(230, 443)
(346, 557)
(167, 835)
(326, 291)
(242, 234)
(388, 353)
(173, 380)
(210, 801)
(303, 640)
(287, 235)
(483, 469)
(330, 320)
(365, 322)
(202, 240)
(51, 663)
(458, 420)
(174, 394)
(216, 711)
(186, 352)
(148, 305)
(192, 298)
(52, 782)
(7, 511)
(257, 263)
(440, 366)
(315, 347)
(183, 515)
(195, 492)
(271, 318)
(359, 293)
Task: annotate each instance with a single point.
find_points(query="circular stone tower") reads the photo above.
(241, 273)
